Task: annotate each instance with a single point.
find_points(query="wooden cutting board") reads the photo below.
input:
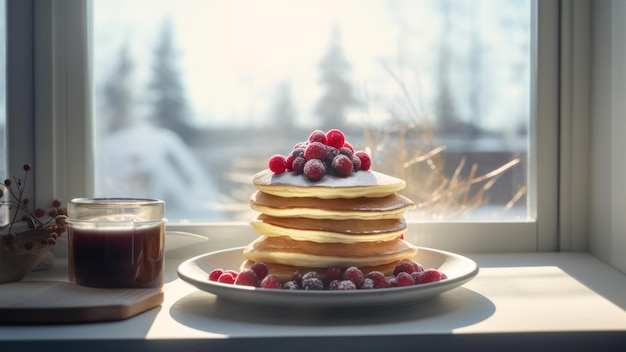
(50, 302)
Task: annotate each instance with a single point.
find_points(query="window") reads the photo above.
(528, 232)
(3, 103)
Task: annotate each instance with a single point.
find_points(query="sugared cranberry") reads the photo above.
(345, 285)
(392, 281)
(349, 146)
(428, 275)
(312, 283)
(318, 136)
(277, 164)
(333, 285)
(405, 279)
(270, 281)
(335, 138)
(260, 269)
(298, 165)
(315, 150)
(342, 165)
(378, 278)
(226, 278)
(368, 284)
(356, 162)
(291, 285)
(404, 266)
(248, 278)
(314, 170)
(366, 161)
(355, 275)
(215, 274)
(346, 151)
(334, 272)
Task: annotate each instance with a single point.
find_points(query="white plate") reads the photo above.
(195, 271)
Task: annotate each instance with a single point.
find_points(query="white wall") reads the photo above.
(608, 132)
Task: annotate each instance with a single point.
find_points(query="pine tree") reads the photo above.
(117, 95)
(170, 109)
(338, 96)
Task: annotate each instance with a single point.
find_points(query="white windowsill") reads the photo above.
(518, 300)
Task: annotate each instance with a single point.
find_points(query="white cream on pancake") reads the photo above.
(358, 184)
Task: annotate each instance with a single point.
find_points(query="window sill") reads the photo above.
(530, 300)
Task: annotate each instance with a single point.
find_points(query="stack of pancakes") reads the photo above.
(338, 221)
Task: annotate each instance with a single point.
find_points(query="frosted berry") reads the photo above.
(346, 151)
(335, 138)
(379, 280)
(368, 284)
(392, 281)
(318, 136)
(342, 165)
(298, 165)
(260, 269)
(297, 278)
(270, 281)
(405, 279)
(314, 170)
(56, 203)
(291, 285)
(345, 285)
(315, 150)
(334, 285)
(355, 275)
(334, 273)
(226, 278)
(356, 162)
(404, 266)
(312, 283)
(366, 161)
(277, 164)
(248, 278)
(428, 275)
(215, 274)
(349, 146)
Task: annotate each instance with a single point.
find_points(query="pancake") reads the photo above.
(329, 231)
(285, 272)
(359, 184)
(284, 250)
(388, 207)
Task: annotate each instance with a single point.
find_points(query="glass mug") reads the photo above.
(116, 242)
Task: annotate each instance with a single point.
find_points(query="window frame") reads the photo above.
(59, 134)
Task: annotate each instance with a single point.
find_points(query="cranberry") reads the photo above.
(345, 285)
(356, 162)
(368, 284)
(298, 165)
(260, 269)
(315, 150)
(392, 281)
(405, 279)
(428, 275)
(215, 274)
(342, 165)
(346, 151)
(277, 164)
(270, 281)
(366, 161)
(349, 146)
(335, 138)
(226, 278)
(404, 266)
(378, 278)
(248, 278)
(314, 170)
(291, 285)
(333, 285)
(334, 272)
(355, 275)
(318, 136)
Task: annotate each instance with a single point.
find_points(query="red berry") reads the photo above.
(366, 161)
(334, 285)
(298, 165)
(26, 167)
(277, 164)
(248, 278)
(315, 150)
(215, 274)
(392, 281)
(356, 162)
(56, 203)
(428, 275)
(260, 269)
(349, 146)
(404, 266)
(379, 279)
(270, 281)
(405, 279)
(39, 212)
(355, 275)
(314, 170)
(226, 278)
(317, 136)
(334, 273)
(342, 165)
(335, 138)
(368, 284)
(345, 285)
